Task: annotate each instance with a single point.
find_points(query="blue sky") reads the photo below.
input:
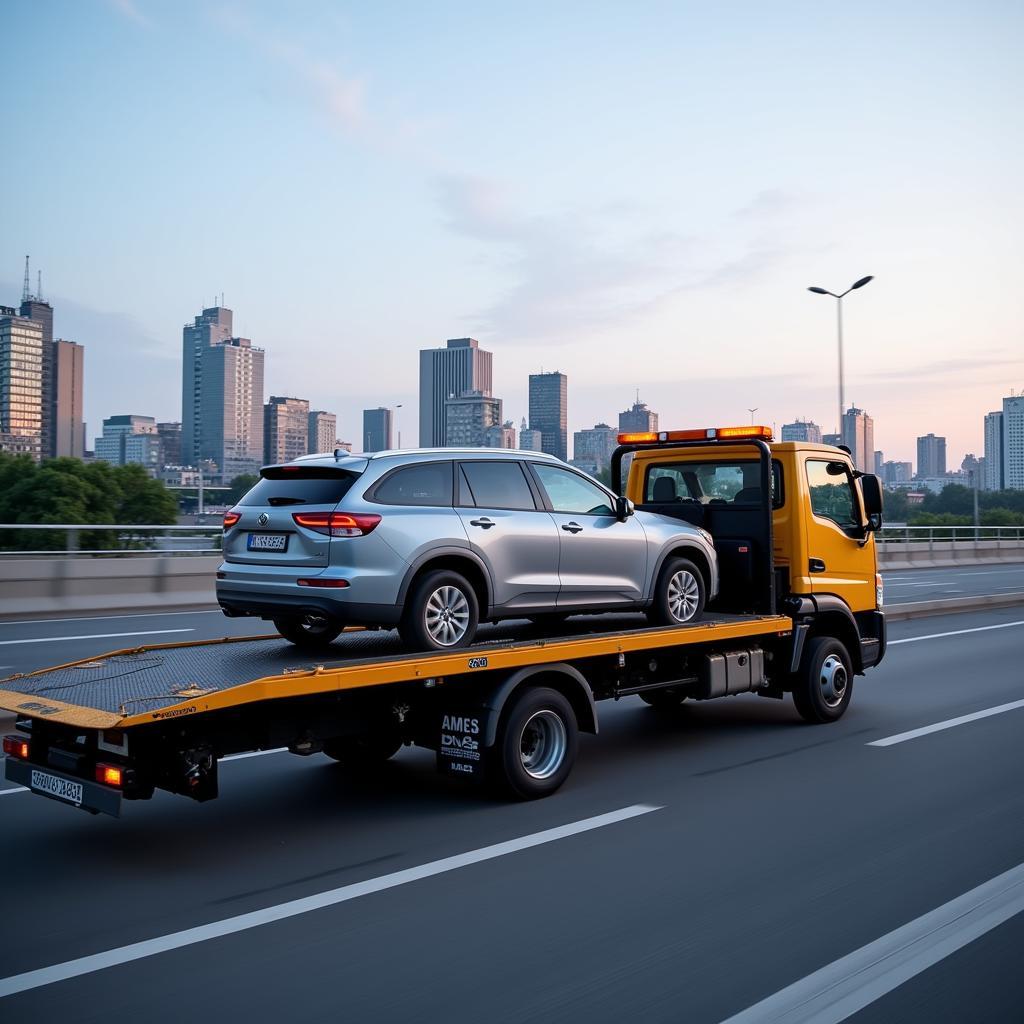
(637, 195)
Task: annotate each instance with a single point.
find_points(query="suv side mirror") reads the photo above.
(871, 489)
(623, 508)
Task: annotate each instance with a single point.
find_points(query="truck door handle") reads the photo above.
(485, 523)
(571, 527)
(817, 565)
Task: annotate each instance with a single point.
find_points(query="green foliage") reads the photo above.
(240, 485)
(954, 506)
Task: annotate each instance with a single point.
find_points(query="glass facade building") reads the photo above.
(21, 384)
(549, 411)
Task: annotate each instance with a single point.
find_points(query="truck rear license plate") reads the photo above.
(52, 785)
(268, 541)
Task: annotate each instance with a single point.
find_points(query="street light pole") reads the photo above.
(839, 325)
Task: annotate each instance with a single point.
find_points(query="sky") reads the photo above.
(637, 195)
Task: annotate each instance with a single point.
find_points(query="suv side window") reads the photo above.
(429, 483)
(571, 493)
(832, 495)
(495, 485)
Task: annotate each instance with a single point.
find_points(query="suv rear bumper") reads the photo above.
(235, 603)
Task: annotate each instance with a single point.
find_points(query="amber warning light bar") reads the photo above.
(701, 434)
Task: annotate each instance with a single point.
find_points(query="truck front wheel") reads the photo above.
(823, 686)
(536, 744)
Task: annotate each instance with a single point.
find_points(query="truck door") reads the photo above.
(839, 562)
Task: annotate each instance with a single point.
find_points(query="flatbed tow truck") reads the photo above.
(799, 612)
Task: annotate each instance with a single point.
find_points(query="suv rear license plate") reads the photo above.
(268, 541)
(53, 785)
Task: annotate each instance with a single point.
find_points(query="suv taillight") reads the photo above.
(337, 524)
(230, 518)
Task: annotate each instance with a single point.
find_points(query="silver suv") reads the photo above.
(435, 541)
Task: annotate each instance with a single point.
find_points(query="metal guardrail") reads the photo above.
(960, 534)
(84, 540)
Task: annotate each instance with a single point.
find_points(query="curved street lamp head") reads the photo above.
(863, 281)
(820, 291)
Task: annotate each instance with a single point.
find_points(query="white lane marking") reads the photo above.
(950, 723)
(946, 575)
(954, 632)
(293, 908)
(16, 789)
(847, 985)
(94, 636)
(107, 618)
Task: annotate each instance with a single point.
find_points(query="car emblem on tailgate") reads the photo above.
(263, 519)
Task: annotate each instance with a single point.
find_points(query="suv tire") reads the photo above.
(679, 594)
(441, 613)
(309, 632)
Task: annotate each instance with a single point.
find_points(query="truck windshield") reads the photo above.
(721, 483)
(303, 487)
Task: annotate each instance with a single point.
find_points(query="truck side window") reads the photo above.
(831, 495)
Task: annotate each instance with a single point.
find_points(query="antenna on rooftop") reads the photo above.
(39, 285)
(25, 294)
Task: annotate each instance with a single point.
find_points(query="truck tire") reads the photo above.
(441, 613)
(663, 700)
(679, 594)
(536, 744)
(309, 632)
(363, 751)
(823, 686)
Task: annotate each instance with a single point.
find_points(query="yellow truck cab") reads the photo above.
(793, 524)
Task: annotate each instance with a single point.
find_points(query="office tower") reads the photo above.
(549, 411)
(21, 384)
(170, 443)
(1013, 443)
(878, 463)
(67, 429)
(468, 417)
(931, 456)
(833, 439)
(500, 436)
(802, 430)
(637, 419)
(35, 307)
(445, 373)
(994, 451)
(129, 439)
(529, 440)
(377, 430)
(230, 408)
(895, 474)
(212, 327)
(592, 448)
(323, 431)
(859, 437)
(285, 429)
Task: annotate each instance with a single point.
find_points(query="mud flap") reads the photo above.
(461, 738)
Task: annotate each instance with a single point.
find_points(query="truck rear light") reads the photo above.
(230, 518)
(16, 746)
(315, 582)
(109, 774)
(337, 524)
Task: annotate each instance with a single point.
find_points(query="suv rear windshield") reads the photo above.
(306, 486)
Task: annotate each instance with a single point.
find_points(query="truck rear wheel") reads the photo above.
(536, 744)
(823, 686)
(309, 632)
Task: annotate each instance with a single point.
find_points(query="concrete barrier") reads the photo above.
(946, 553)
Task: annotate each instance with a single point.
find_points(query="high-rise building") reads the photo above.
(529, 440)
(859, 437)
(129, 439)
(230, 408)
(67, 427)
(35, 307)
(802, 430)
(931, 456)
(445, 373)
(468, 418)
(323, 431)
(833, 439)
(994, 451)
(549, 411)
(638, 418)
(285, 429)
(21, 384)
(170, 443)
(879, 461)
(212, 327)
(895, 474)
(500, 435)
(377, 430)
(1013, 443)
(592, 448)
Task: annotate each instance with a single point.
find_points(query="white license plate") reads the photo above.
(268, 541)
(62, 789)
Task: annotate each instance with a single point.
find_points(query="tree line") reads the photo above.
(954, 506)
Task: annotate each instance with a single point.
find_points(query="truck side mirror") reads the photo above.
(871, 489)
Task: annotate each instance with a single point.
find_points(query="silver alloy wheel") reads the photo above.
(683, 595)
(447, 615)
(833, 681)
(543, 744)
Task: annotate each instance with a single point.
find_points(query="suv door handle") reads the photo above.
(484, 522)
(816, 565)
(571, 527)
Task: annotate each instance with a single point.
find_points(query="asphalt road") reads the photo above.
(773, 850)
(902, 586)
